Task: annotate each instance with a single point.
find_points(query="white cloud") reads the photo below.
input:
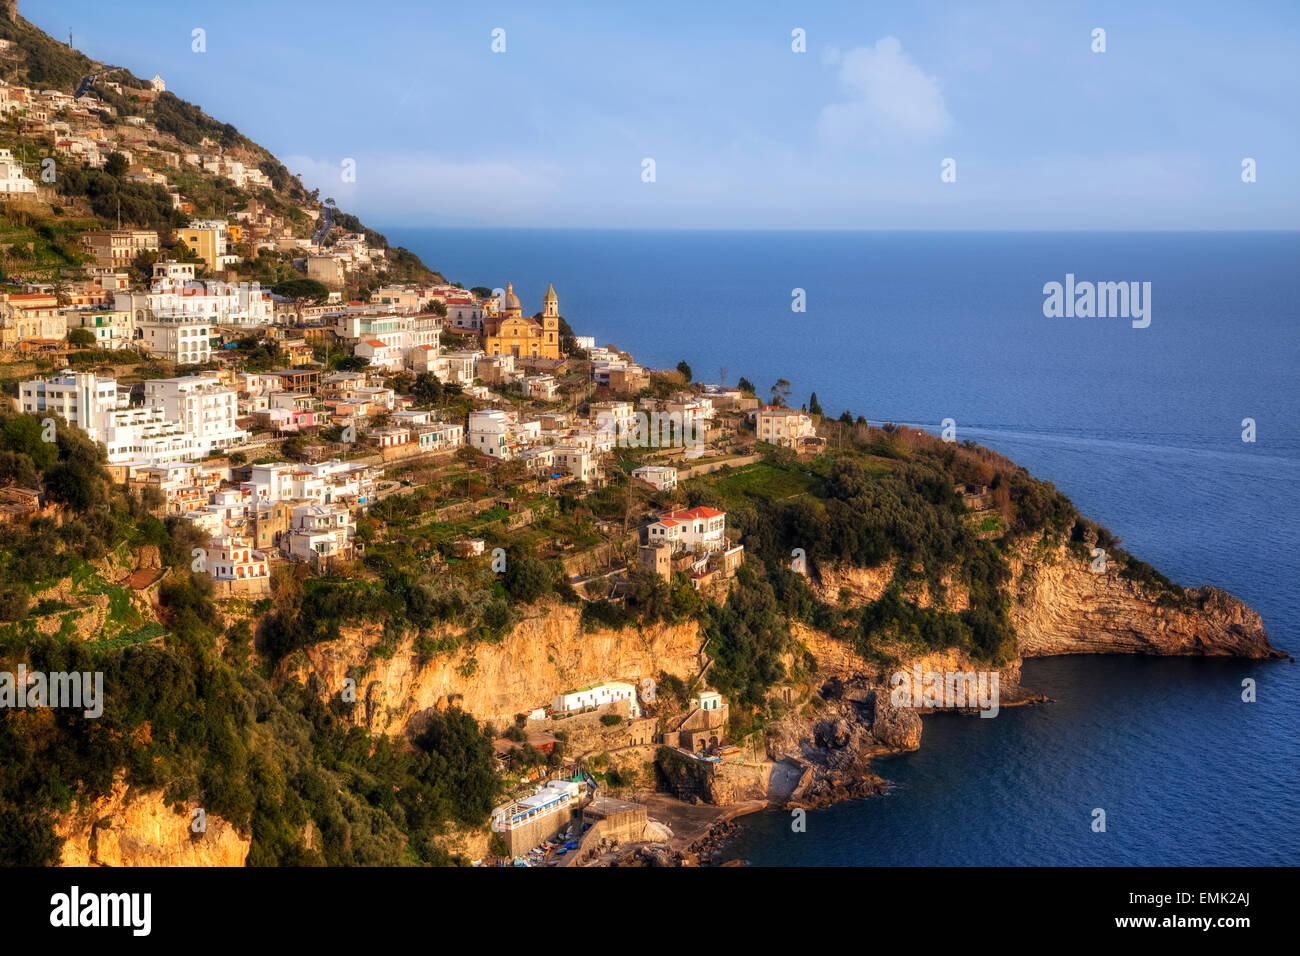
(891, 101)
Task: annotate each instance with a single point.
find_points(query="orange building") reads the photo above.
(508, 332)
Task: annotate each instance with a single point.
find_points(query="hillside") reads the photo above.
(358, 699)
(33, 59)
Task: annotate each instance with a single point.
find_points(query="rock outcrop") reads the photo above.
(1062, 607)
(1058, 606)
(541, 656)
(130, 828)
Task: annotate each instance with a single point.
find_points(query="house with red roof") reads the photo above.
(698, 530)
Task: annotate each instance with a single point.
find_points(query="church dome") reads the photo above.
(511, 301)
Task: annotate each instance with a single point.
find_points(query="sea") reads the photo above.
(1182, 437)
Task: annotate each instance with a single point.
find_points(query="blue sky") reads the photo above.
(744, 132)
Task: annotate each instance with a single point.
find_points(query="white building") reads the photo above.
(147, 433)
(577, 462)
(319, 532)
(183, 339)
(322, 483)
(491, 432)
(81, 398)
(387, 340)
(597, 695)
(542, 387)
(205, 409)
(231, 558)
(662, 477)
(458, 367)
(437, 436)
(171, 271)
(618, 419)
(112, 329)
(12, 180)
(175, 302)
(696, 530)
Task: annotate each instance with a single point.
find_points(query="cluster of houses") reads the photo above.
(172, 434)
(549, 811)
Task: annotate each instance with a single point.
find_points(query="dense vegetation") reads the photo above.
(885, 501)
(140, 204)
(188, 716)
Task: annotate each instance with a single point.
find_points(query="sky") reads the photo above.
(744, 131)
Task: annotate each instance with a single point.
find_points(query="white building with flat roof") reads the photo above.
(80, 398)
(13, 182)
(489, 432)
(204, 408)
(320, 532)
(231, 558)
(597, 695)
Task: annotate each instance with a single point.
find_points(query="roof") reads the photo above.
(692, 514)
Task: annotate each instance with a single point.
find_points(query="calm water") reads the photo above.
(1141, 427)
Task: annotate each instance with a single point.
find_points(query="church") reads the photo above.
(508, 332)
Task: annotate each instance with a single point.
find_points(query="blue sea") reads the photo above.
(1142, 428)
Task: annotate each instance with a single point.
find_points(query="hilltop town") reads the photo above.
(467, 584)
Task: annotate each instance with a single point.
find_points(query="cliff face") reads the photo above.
(820, 752)
(1062, 607)
(140, 829)
(546, 653)
(826, 745)
(1058, 606)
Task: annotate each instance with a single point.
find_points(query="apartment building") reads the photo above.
(31, 318)
(783, 426)
(205, 409)
(117, 248)
(112, 328)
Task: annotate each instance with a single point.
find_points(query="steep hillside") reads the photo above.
(35, 59)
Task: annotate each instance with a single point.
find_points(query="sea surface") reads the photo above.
(1141, 427)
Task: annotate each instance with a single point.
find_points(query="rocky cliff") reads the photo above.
(544, 654)
(1061, 607)
(1058, 606)
(821, 750)
(128, 828)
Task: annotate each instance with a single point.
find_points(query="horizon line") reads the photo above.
(824, 229)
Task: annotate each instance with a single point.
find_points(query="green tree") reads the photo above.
(116, 165)
(526, 578)
(780, 392)
(684, 369)
(306, 290)
(427, 389)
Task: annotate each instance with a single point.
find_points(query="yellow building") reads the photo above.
(30, 321)
(508, 332)
(207, 244)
